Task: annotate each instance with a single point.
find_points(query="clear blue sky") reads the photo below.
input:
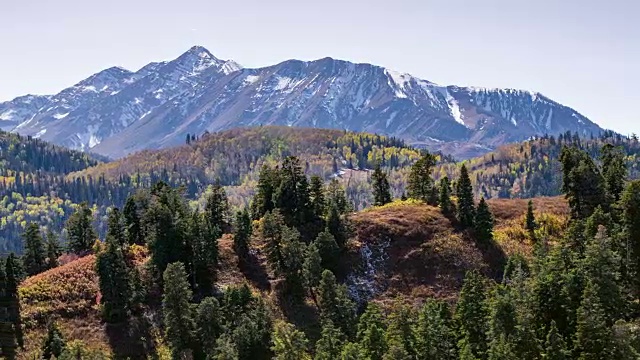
(583, 53)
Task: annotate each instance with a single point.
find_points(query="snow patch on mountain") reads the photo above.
(8, 115)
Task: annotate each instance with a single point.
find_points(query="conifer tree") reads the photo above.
(555, 346)
(268, 182)
(420, 183)
(34, 252)
(630, 205)
(271, 230)
(330, 344)
(371, 333)
(381, 188)
(11, 296)
(8, 341)
(289, 343)
(483, 223)
(318, 202)
(242, 234)
(400, 335)
(293, 253)
(352, 351)
(312, 270)
(464, 192)
(216, 211)
(80, 231)
(133, 222)
(466, 351)
(335, 304)
(614, 171)
(114, 281)
(397, 352)
(593, 338)
(337, 197)
(501, 349)
(292, 195)
(435, 335)
(530, 220)
(444, 197)
(226, 349)
(116, 227)
(336, 225)
(178, 316)
(54, 250)
(471, 313)
(328, 249)
(203, 240)
(208, 324)
(582, 182)
(54, 343)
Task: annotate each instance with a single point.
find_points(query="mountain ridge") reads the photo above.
(109, 112)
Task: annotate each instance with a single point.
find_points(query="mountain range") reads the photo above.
(116, 111)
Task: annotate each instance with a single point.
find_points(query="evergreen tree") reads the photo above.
(133, 222)
(630, 205)
(8, 342)
(225, 349)
(400, 335)
(268, 182)
(292, 195)
(420, 183)
(208, 324)
(80, 231)
(34, 252)
(555, 346)
(381, 188)
(336, 225)
(178, 317)
(335, 304)
(502, 349)
(471, 313)
(466, 351)
(352, 351)
(330, 344)
(312, 270)
(582, 182)
(337, 197)
(289, 343)
(435, 335)
(54, 250)
(216, 211)
(464, 192)
(11, 298)
(593, 338)
(293, 253)
(444, 197)
(328, 249)
(371, 333)
(318, 202)
(203, 240)
(530, 220)
(483, 224)
(271, 230)
(115, 284)
(116, 227)
(242, 234)
(614, 171)
(397, 352)
(54, 344)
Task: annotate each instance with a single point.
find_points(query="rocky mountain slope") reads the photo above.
(116, 112)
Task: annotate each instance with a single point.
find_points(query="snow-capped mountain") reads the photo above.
(116, 111)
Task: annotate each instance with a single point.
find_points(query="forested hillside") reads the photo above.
(298, 275)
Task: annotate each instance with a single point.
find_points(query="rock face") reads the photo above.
(116, 111)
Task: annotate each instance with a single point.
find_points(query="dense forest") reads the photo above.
(574, 295)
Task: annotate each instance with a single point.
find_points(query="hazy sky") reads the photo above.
(583, 53)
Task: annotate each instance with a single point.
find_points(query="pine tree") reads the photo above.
(464, 192)
(502, 349)
(54, 250)
(483, 224)
(471, 313)
(593, 338)
(133, 222)
(630, 205)
(54, 344)
(371, 333)
(352, 351)
(203, 240)
(466, 351)
(242, 234)
(225, 349)
(178, 317)
(312, 270)
(208, 322)
(397, 352)
(435, 335)
(114, 280)
(116, 227)
(318, 202)
(80, 231)
(420, 183)
(293, 253)
(328, 249)
(289, 343)
(268, 182)
(614, 171)
(12, 269)
(555, 346)
(330, 344)
(336, 225)
(335, 304)
(292, 195)
(8, 342)
(381, 188)
(400, 335)
(530, 220)
(444, 197)
(34, 252)
(216, 210)
(271, 230)
(582, 182)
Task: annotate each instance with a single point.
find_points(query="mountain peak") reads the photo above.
(201, 52)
